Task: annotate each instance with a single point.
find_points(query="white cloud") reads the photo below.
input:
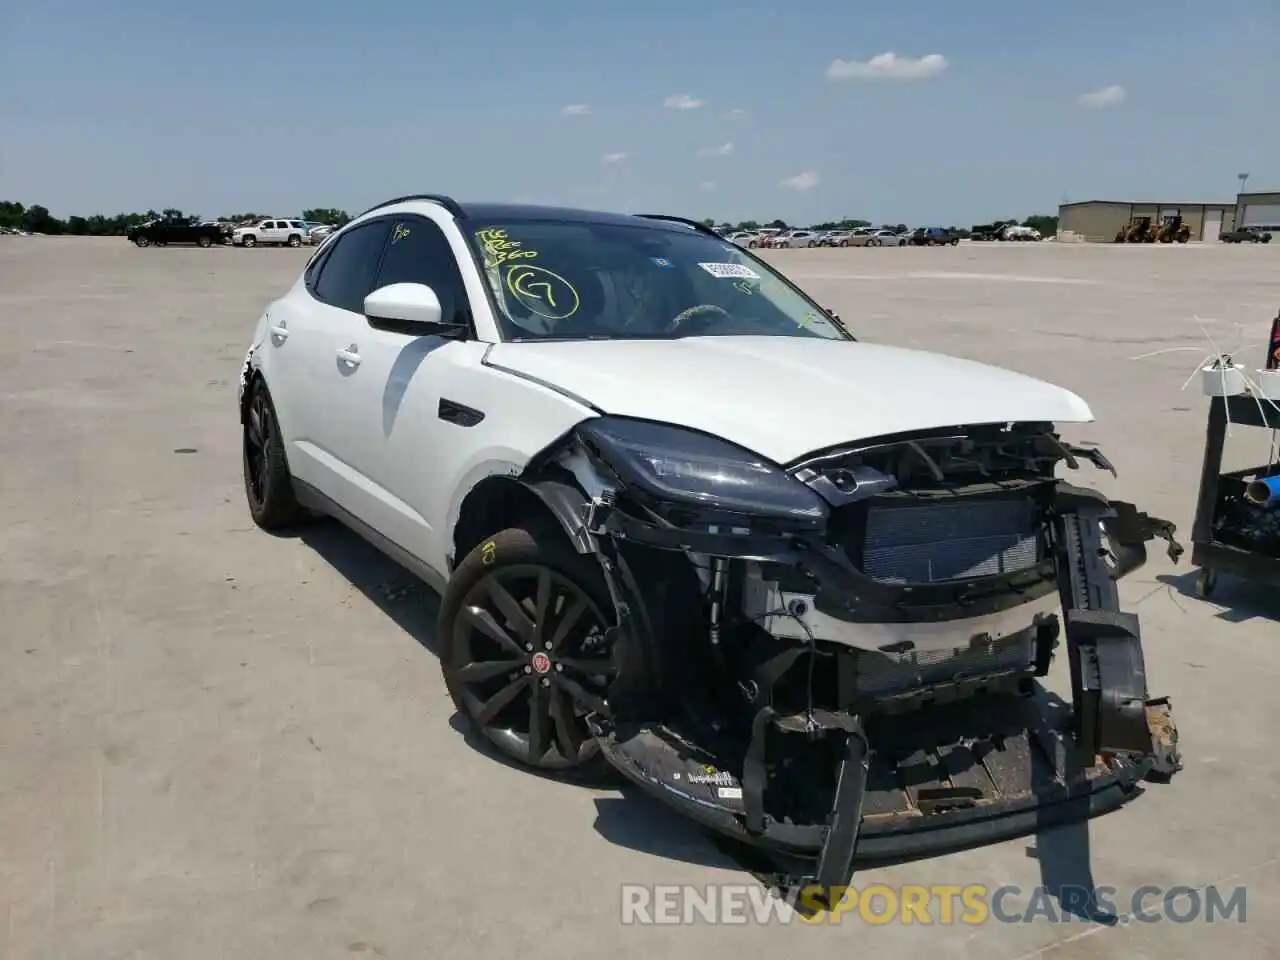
(575, 110)
(614, 157)
(681, 101)
(801, 181)
(708, 185)
(721, 151)
(888, 66)
(737, 113)
(1106, 97)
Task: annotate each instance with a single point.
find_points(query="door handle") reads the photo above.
(280, 332)
(349, 355)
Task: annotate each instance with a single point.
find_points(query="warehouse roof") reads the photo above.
(1155, 203)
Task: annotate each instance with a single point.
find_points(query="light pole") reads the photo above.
(1242, 177)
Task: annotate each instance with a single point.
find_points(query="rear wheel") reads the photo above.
(267, 484)
(525, 651)
(204, 242)
(295, 240)
(142, 241)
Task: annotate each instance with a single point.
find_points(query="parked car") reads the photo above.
(318, 232)
(764, 237)
(168, 230)
(836, 238)
(225, 228)
(291, 233)
(1016, 232)
(630, 543)
(1245, 235)
(741, 239)
(877, 238)
(796, 238)
(933, 236)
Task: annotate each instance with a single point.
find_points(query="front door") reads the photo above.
(389, 392)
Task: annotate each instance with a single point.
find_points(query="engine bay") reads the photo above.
(798, 680)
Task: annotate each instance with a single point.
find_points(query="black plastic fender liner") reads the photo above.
(568, 505)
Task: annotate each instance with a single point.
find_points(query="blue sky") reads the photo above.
(234, 105)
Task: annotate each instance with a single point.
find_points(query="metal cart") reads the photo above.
(1214, 550)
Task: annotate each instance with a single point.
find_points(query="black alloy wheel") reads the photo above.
(267, 484)
(526, 649)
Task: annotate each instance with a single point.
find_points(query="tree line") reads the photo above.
(38, 219)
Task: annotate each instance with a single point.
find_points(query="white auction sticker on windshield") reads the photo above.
(732, 271)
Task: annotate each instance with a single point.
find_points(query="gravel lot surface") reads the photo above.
(218, 743)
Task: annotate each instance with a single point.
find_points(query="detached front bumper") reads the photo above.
(976, 763)
(925, 793)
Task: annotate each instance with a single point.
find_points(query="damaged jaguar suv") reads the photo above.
(687, 527)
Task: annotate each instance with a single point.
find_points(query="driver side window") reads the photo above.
(419, 252)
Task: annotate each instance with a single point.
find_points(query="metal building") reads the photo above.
(1099, 221)
(1258, 210)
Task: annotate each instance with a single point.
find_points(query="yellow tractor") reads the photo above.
(1173, 230)
(1137, 231)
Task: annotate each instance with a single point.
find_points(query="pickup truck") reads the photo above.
(1245, 235)
(161, 233)
(933, 236)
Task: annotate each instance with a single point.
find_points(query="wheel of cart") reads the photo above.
(1206, 583)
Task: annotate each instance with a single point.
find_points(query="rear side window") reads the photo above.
(419, 252)
(346, 276)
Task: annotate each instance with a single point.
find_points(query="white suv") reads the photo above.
(290, 233)
(686, 526)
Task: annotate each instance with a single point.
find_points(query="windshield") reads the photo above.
(560, 280)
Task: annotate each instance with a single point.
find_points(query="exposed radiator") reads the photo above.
(933, 543)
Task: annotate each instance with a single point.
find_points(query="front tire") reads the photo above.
(142, 242)
(250, 242)
(268, 487)
(523, 632)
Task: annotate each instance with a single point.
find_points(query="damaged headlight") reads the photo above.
(692, 469)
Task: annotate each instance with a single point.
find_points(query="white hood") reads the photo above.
(783, 397)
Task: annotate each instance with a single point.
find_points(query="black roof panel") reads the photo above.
(524, 211)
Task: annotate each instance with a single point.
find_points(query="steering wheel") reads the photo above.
(698, 315)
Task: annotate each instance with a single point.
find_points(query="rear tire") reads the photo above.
(268, 486)
(523, 634)
(295, 240)
(142, 242)
(204, 242)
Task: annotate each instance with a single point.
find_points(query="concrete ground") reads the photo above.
(216, 743)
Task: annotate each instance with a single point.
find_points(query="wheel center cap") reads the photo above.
(541, 662)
